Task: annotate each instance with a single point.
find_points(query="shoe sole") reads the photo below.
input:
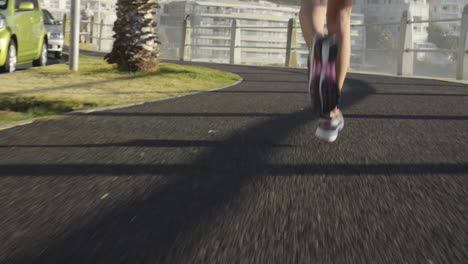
(315, 65)
(323, 87)
(322, 81)
(328, 137)
(328, 87)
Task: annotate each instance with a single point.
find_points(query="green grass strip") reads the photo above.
(53, 90)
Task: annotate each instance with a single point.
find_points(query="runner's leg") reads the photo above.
(339, 23)
(312, 16)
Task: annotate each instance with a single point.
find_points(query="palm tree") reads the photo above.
(136, 45)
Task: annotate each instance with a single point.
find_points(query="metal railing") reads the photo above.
(405, 49)
(100, 35)
(95, 35)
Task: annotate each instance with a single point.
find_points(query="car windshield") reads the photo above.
(3, 4)
(48, 19)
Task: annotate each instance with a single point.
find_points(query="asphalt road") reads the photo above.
(236, 176)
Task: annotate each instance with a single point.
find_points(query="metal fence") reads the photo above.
(96, 34)
(405, 50)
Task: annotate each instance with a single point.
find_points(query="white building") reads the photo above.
(64, 6)
(382, 11)
(216, 13)
(445, 9)
(263, 34)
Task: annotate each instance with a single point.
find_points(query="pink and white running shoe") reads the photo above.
(323, 86)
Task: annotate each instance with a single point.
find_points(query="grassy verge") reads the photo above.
(53, 90)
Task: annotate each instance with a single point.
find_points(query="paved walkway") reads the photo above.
(236, 176)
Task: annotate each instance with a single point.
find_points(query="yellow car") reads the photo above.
(23, 37)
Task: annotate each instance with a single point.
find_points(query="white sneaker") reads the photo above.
(329, 127)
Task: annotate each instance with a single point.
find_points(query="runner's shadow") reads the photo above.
(147, 231)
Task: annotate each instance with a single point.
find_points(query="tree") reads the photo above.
(383, 40)
(136, 45)
(440, 37)
(379, 37)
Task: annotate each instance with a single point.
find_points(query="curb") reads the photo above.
(105, 108)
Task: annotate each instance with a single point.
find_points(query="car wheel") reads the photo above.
(42, 61)
(10, 64)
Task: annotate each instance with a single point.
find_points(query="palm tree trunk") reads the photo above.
(136, 45)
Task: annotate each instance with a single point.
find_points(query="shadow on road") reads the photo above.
(196, 191)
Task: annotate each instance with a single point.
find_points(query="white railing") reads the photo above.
(95, 35)
(405, 49)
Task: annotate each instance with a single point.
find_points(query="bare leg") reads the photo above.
(312, 17)
(339, 23)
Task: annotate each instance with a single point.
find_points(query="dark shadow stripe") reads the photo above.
(194, 193)
(283, 82)
(407, 117)
(259, 92)
(137, 114)
(421, 94)
(235, 168)
(420, 82)
(253, 115)
(164, 144)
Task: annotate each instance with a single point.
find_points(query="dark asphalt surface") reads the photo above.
(237, 176)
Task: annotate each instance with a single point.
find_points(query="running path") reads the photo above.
(236, 176)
